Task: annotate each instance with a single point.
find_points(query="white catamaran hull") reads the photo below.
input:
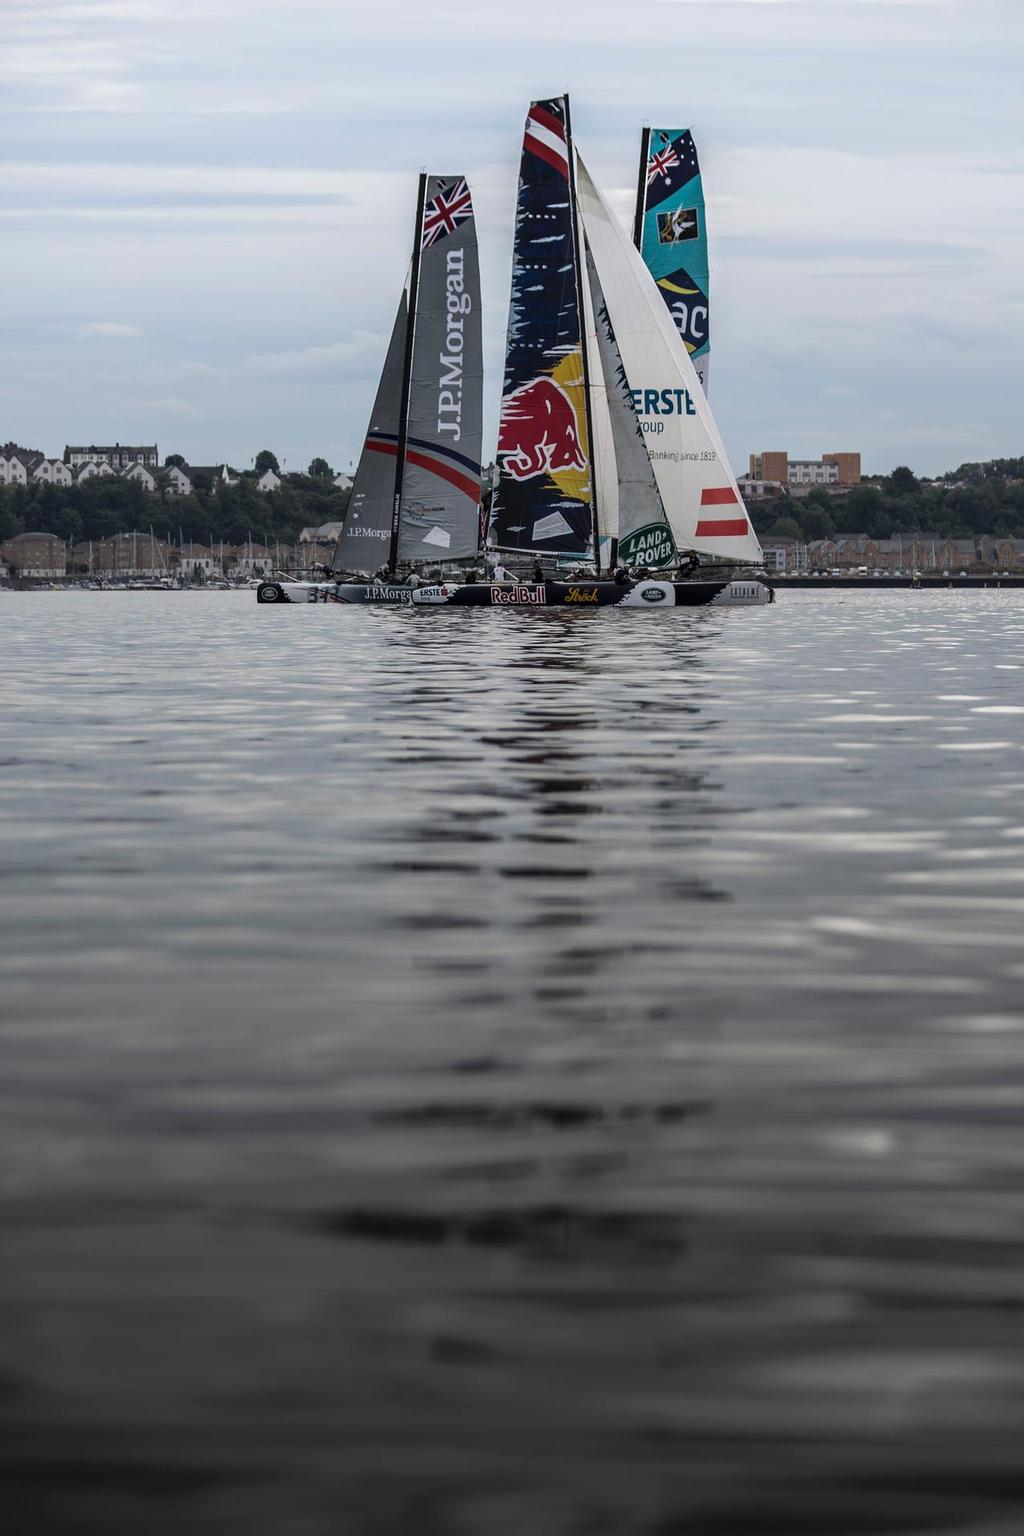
(650, 596)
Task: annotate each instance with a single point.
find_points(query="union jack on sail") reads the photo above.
(446, 212)
(661, 163)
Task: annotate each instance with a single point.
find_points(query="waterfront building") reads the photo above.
(41, 556)
(248, 559)
(784, 554)
(123, 556)
(327, 533)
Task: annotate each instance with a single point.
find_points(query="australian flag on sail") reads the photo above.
(543, 499)
(445, 212)
(671, 163)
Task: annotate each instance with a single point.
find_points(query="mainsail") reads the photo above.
(544, 499)
(416, 494)
(439, 515)
(699, 496)
(670, 231)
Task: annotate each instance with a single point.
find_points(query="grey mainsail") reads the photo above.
(439, 513)
(366, 536)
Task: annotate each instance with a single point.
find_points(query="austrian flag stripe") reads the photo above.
(721, 527)
(545, 135)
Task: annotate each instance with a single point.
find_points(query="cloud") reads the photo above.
(170, 405)
(114, 328)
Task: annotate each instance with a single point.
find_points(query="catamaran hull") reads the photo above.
(650, 596)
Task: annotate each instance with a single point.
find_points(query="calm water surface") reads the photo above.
(478, 1074)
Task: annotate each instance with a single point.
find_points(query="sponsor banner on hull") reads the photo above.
(650, 594)
(577, 595)
(520, 596)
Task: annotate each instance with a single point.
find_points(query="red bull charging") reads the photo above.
(538, 431)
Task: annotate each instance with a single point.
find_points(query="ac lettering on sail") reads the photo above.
(458, 304)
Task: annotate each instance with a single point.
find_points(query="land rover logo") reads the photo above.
(653, 594)
(651, 545)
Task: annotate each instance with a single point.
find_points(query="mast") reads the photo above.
(403, 410)
(577, 258)
(641, 188)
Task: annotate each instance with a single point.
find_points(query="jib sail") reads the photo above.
(366, 536)
(439, 514)
(544, 498)
(643, 532)
(670, 231)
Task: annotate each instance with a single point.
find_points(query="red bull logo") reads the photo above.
(538, 431)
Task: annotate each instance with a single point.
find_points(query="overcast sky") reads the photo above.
(206, 207)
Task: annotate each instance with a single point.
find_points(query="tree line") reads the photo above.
(972, 500)
(216, 511)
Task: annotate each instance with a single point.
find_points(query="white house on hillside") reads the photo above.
(141, 475)
(53, 472)
(92, 468)
(12, 470)
(177, 481)
(268, 481)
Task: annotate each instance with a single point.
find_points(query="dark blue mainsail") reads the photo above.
(544, 497)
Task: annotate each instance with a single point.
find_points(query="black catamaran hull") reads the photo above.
(651, 596)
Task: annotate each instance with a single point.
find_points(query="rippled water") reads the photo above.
(530, 1075)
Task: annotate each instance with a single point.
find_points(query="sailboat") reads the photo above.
(670, 232)
(607, 451)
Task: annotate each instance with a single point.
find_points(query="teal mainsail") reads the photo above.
(670, 231)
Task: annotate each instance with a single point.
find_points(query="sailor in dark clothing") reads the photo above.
(538, 571)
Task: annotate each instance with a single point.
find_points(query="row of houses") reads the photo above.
(46, 557)
(906, 552)
(27, 466)
(22, 468)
